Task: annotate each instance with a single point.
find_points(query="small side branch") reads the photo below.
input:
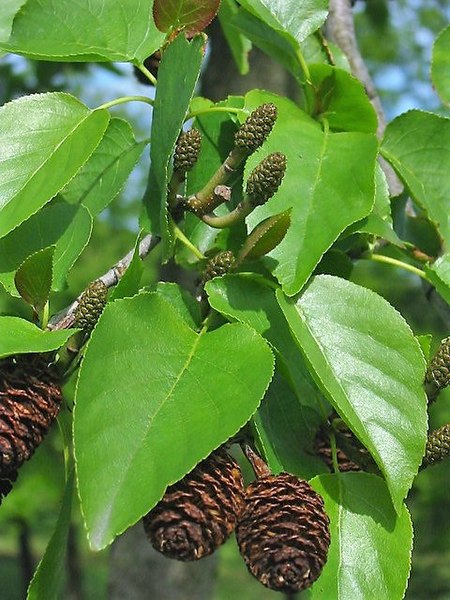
(65, 318)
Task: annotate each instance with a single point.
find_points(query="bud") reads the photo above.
(283, 533)
(91, 305)
(187, 150)
(199, 513)
(254, 131)
(266, 178)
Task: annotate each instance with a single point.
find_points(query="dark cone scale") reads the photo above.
(283, 533)
(266, 178)
(187, 150)
(438, 373)
(254, 131)
(30, 398)
(322, 448)
(198, 514)
(437, 447)
(219, 265)
(91, 305)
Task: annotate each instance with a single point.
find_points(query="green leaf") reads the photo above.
(342, 100)
(440, 65)
(48, 578)
(100, 180)
(59, 224)
(379, 221)
(70, 245)
(86, 30)
(329, 184)
(177, 77)
(234, 296)
(439, 275)
(282, 432)
(191, 16)
(18, 336)
(417, 144)
(239, 45)
(130, 281)
(167, 397)
(44, 140)
(8, 9)
(33, 279)
(370, 551)
(293, 19)
(265, 236)
(368, 363)
(186, 306)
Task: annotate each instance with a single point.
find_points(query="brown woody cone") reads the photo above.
(198, 514)
(322, 448)
(283, 533)
(30, 398)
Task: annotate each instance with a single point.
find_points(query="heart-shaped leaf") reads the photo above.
(424, 170)
(192, 16)
(329, 184)
(370, 551)
(18, 336)
(86, 30)
(33, 279)
(44, 140)
(368, 363)
(167, 397)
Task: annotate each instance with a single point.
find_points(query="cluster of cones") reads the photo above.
(281, 526)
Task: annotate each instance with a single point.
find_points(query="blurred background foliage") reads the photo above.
(396, 39)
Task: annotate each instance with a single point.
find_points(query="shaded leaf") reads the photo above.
(368, 363)
(100, 180)
(56, 136)
(167, 397)
(342, 100)
(370, 551)
(439, 275)
(33, 279)
(130, 281)
(18, 336)
(8, 9)
(265, 236)
(59, 224)
(417, 144)
(177, 77)
(48, 578)
(329, 184)
(239, 45)
(186, 306)
(192, 16)
(86, 30)
(440, 65)
(295, 20)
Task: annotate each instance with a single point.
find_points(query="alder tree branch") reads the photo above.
(341, 30)
(65, 318)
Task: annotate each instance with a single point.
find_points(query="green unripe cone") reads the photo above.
(219, 265)
(187, 150)
(91, 305)
(438, 373)
(438, 446)
(254, 131)
(266, 178)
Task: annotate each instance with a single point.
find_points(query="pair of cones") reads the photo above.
(281, 526)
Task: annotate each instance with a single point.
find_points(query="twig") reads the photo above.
(341, 30)
(65, 318)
